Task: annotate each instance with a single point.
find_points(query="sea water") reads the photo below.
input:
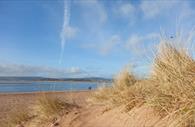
(48, 86)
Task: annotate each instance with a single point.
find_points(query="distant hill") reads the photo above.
(89, 79)
(31, 79)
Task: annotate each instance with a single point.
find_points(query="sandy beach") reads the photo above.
(10, 102)
(86, 116)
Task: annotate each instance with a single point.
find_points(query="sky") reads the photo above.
(86, 38)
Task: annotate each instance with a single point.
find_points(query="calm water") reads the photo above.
(48, 86)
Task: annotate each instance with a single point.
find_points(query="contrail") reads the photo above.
(67, 7)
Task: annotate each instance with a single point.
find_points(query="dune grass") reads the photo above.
(46, 111)
(174, 75)
(125, 91)
(50, 109)
(170, 87)
(17, 117)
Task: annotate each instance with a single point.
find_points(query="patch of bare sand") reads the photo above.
(99, 116)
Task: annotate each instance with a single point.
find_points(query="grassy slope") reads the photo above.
(169, 90)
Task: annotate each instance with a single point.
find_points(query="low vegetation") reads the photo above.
(17, 117)
(169, 89)
(47, 110)
(50, 109)
(174, 76)
(125, 91)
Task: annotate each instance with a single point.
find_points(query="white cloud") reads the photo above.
(176, 8)
(141, 44)
(155, 7)
(100, 11)
(74, 70)
(136, 39)
(104, 47)
(108, 46)
(29, 70)
(94, 11)
(186, 11)
(135, 43)
(126, 10)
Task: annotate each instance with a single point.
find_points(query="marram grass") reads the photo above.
(169, 88)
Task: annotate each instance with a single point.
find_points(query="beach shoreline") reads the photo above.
(42, 92)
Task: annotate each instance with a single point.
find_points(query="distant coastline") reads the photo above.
(26, 80)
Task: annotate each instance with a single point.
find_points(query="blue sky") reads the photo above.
(81, 38)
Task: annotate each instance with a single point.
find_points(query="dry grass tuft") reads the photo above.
(173, 63)
(123, 92)
(124, 79)
(51, 109)
(174, 76)
(47, 111)
(17, 117)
